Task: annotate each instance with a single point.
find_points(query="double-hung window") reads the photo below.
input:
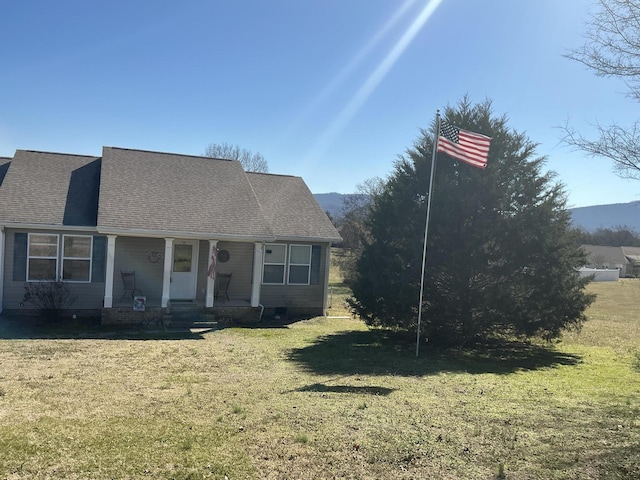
(275, 257)
(299, 264)
(76, 258)
(42, 257)
(290, 264)
(51, 257)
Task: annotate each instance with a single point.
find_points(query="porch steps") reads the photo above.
(189, 315)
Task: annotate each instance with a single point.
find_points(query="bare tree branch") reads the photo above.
(612, 49)
(251, 162)
(618, 144)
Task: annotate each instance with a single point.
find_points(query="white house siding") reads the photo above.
(90, 295)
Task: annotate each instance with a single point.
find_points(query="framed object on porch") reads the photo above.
(139, 303)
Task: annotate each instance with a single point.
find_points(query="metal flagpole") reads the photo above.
(426, 228)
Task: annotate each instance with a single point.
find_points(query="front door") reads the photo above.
(184, 270)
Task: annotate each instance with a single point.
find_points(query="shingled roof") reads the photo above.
(140, 192)
(632, 254)
(49, 189)
(177, 194)
(290, 208)
(192, 195)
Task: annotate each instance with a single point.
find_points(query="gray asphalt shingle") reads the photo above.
(290, 207)
(143, 190)
(158, 193)
(50, 189)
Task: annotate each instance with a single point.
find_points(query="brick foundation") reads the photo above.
(128, 316)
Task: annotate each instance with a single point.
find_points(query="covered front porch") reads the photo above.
(183, 314)
(150, 274)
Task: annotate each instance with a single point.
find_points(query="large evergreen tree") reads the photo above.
(501, 255)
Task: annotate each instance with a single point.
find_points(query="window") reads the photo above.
(49, 259)
(42, 257)
(275, 256)
(182, 256)
(299, 264)
(76, 258)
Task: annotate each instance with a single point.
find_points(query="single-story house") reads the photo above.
(176, 222)
(623, 259)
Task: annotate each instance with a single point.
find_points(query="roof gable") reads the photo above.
(291, 209)
(171, 193)
(50, 189)
(631, 253)
(603, 255)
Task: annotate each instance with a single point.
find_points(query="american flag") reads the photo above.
(472, 148)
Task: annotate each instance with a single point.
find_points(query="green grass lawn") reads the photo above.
(324, 398)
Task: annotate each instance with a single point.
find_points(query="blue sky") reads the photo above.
(331, 90)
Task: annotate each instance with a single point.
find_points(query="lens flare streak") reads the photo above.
(372, 82)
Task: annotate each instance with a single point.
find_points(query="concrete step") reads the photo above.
(171, 324)
(189, 315)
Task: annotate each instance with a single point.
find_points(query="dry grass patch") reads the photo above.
(325, 398)
(338, 292)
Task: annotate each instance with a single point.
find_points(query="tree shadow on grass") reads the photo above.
(367, 389)
(378, 352)
(22, 328)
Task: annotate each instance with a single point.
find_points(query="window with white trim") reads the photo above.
(76, 258)
(275, 257)
(42, 257)
(299, 264)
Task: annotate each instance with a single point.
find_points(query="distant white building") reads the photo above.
(626, 260)
(600, 274)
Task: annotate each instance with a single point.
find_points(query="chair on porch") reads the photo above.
(129, 284)
(222, 286)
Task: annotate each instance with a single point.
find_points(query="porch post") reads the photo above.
(108, 280)
(166, 278)
(257, 274)
(210, 281)
(1, 266)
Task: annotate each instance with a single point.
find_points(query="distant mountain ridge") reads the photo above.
(332, 202)
(587, 218)
(607, 216)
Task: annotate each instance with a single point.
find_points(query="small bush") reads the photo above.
(49, 297)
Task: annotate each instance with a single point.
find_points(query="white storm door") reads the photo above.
(184, 269)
